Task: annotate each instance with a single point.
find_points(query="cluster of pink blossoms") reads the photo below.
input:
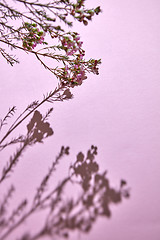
(74, 75)
(33, 37)
(81, 14)
(71, 46)
(74, 71)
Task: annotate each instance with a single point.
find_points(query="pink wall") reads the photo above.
(118, 111)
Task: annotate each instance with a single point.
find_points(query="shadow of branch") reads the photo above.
(62, 216)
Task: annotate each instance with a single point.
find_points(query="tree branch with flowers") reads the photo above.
(39, 28)
(45, 20)
(42, 20)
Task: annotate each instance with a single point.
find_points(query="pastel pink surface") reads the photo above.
(118, 111)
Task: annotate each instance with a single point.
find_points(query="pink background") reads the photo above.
(118, 111)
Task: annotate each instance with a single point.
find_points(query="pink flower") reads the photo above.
(77, 38)
(81, 76)
(34, 45)
(76, 66)
(80, 44)
(70, 53)
(70, 44)
(81, 56)
(41, 40)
